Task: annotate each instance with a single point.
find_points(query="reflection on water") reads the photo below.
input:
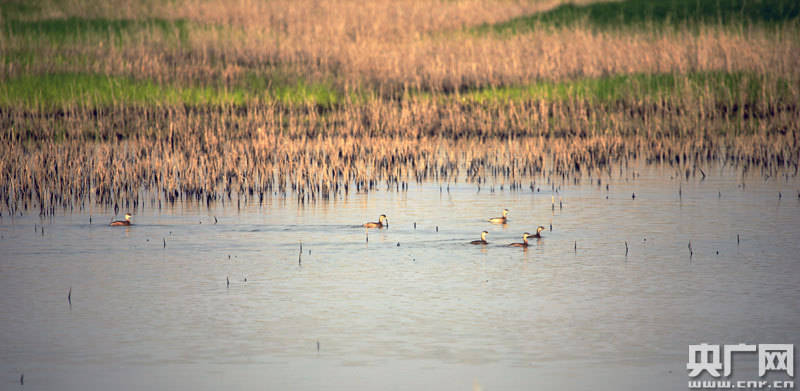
(414, 305)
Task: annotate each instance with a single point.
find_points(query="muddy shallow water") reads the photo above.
(409, 307)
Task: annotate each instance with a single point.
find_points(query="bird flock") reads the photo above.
(383, 222)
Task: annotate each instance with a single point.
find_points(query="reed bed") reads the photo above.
(383, 47)
(141, 104)
(243, 155)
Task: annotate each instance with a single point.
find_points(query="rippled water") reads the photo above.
(410, 307)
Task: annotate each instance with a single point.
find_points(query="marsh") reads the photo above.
(652, 146)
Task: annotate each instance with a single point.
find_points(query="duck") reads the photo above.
(127, 221)
(524, 241)
(500, 220)
(538, 233)
(382, 222)
(483, 239)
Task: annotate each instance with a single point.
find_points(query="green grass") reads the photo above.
(28, 57)
(69, 90)
(723, 87)
(657, 13)
(82, 30)
(16, 9)
(289, 89)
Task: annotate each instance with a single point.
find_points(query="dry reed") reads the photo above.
(409, 67)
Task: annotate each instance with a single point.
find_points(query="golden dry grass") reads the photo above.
(408, 69)
(396, 45)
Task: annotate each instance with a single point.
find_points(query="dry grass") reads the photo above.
(390, 46)
(409, 71)
(246, 156)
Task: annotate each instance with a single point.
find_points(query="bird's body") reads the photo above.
(483, 239)
(382, 222)
(500, 220)
(524, 241)
(125, 222)
(538, 233)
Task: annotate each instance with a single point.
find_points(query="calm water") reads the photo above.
(432, 312)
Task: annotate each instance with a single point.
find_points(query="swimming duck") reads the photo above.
(524, 241)
(382, 222)
(500, 220)
(483, 239)
(127, 221)
(538, 233)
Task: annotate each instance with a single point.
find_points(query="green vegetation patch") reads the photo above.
(28, 57)
(286, 88)
(720, 86)
(80, 29)
(16, 9)
(660, 13)
(77, 90)
(70, 90)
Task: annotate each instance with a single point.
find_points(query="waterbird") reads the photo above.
(483, 239)
(538, 233)
(524, 241)
(127, 221)
(500, 220)
(379, 224)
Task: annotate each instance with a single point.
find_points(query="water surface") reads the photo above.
(406, 307)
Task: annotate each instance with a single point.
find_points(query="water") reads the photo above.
(571, 311)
